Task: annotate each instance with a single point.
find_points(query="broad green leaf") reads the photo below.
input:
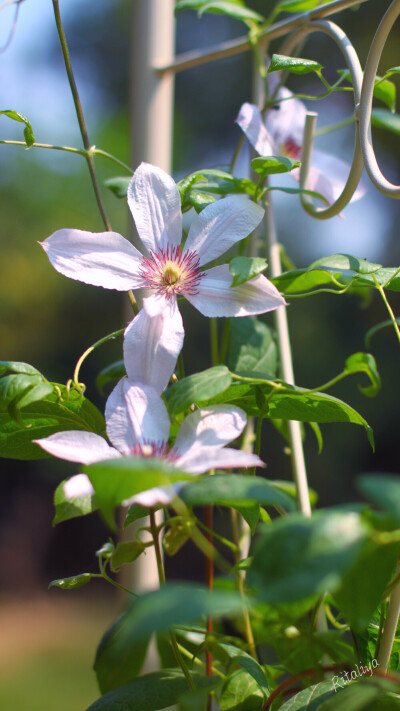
(110, 671)
(346, 262)
(271, 165)
(234, 8)
(177, 535)
(364, 362)
(197, 700)
(251, 514)
(239, 489)
(198, 387)
(134, 513)
(119, 479)
(295, 65)
(252, 347)
(172, 605)
(298, 557)
(245, 268)
(226, 651)
(383, 118)
(28, 131)
(310, 699)
(293, 403)
(384, 490)
(126, 552)
(76, 581)
(366, 694)
(66, 508)
(241, 693)
(18, 390)
(364, 584)
(150, 692)
(118, 186)
(200, 200)
(301, 281)
(299, 5)
(44, 418)
(114, 371)
(17, 367)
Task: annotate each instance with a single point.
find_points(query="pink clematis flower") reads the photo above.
(107, 259)
(281, 134)
(138, 426)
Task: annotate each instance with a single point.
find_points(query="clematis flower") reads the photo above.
(107, 259)
(138, 426)
(281, 134)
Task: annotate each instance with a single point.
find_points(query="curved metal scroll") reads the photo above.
(364, 109)
(353, 64)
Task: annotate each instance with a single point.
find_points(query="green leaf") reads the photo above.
(364, 362)
(248, 663)
(235, 489)
(299, 5)
(17, 367)
(252, 347)
(383, 118)
(172, 605)
(271, 165)
(251, 514)
(233, 8)
(126, 552)
(134, 513)
(119, 479)
(292, 403)
(364, 584)
(45, 417)
(149, 692)
(298, 191)
(76, 581)
(200, 200)
(245, 268)
(67, 508)
(28, 131)
(118, 186)
(241, 693)
(177, 535)
(114, 371)
(366, 694)
(346, 262)
(310, 699)
(110, 671)
(295, 65)
(298, 557)
(384, 490)
(198, 387)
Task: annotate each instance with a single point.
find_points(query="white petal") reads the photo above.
(220, 225)
(135, 414)
(285, 120)
(100, 258)
(155, 204)
(209, 427)
(215, 297)
(201, 459)
(77, 486)
(153, 497)
(252, 124)
(77, 446)
(153, 341)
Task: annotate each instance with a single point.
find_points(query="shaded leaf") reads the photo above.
(271, 165)
(126, 552)
(67, 508)
(114, 371)
(252, 347)
(76, 581)
(198, 387)
(118, 186)
(235, 490)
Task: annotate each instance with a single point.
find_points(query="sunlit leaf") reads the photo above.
(295, 65)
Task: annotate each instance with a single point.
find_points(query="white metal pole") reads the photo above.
(153, 44)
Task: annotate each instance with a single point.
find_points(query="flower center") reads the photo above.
(148, 449)
(291, 149)
(170, 272)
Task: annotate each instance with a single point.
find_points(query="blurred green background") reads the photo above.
(48, 320)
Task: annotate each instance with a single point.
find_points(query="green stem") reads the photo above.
(79, 114)
(240, 586)
(87, 352)
(388, 307)
(70, 149)
(214, 341)
(334, 127)
(161, 576)
(225, 340)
